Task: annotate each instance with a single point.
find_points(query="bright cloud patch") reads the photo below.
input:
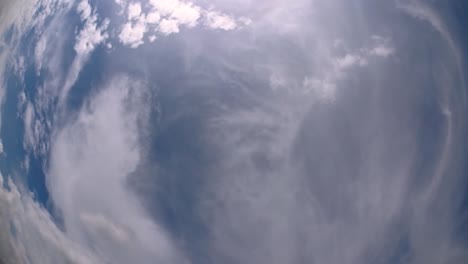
(219, 21)
(92, 34)
(132, 34)
(134, 10)
(168, 17)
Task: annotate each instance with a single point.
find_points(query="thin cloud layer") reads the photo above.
(339, 182)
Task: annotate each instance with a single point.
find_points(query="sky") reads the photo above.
(170, 131)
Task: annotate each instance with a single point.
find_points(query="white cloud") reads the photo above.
(101, 224)
(152, 38)
(91, 35)
(39, 52)
(35, 131)
(365, 214)
(29, 131)
(382, 51)
(132, 34)
(422, 10)
(245, 21)
(29, 235)
(186, 14)
(134, 30)
(324, 85)
(380, 48)
(165, 7)
(351, 60)
(134, 10)
(113, 223)
(168, 26)
(84, 9)
(120, 2)
(20, 16)
(153, 17)
(98, 208)
(19, 66)
(168, 17)
(220, 21)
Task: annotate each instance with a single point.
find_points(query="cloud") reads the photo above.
(153, 17)
(19, 14)
(306, 179)
(382, 51)
(112, 222)
(91, 35)
(132, 34)
(39, 53)
(219, 21)
(29, 120)
(422, 10)
(29, 234)
(19, 17)
(350, 60)
(168, 17)
(186, 14)
(134, 10)
(324, 89)
(84, 9)
(116, 229)
(325, 86)
(382, 47)
(336, 163)
(168, 26)
(152, 38)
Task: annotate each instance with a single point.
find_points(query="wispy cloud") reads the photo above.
(87, 39)
(30, 235)
(112, 222)
(335, 182)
